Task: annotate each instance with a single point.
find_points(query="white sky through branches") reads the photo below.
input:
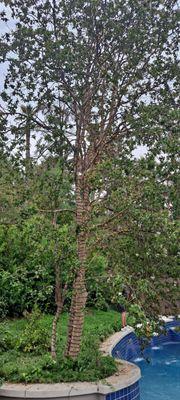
(6, 27)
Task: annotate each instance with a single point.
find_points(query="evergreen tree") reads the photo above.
(87, 67)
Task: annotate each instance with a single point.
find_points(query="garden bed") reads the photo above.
(25, 356)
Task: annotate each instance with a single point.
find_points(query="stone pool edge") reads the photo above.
(128, 374)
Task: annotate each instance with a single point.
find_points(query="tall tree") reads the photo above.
(89, 65)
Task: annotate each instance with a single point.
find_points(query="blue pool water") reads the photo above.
(161, 372)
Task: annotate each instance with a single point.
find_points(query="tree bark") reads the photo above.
(79, 296)
(77, 304)
(59, 298)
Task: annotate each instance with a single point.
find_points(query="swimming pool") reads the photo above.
(159, 363)
(160, 372)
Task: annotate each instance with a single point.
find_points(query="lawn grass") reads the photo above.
(20, 365)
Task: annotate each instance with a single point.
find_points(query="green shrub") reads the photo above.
(26, 270)
(1, 381)
(3, 306)
(7, 340)
(35, 338)
(27, 259)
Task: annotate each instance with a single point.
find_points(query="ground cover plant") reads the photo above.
(25, 356)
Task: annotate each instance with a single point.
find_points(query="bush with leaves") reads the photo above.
(35, 337)
(97, 277)
(7, 340)
(27, 258)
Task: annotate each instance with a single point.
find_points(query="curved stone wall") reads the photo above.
(131, 392)
(124, 345)
(128, 348)
(116, 387)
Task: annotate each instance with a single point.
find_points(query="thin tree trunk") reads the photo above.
(59, 304)
(54, 331)
(27, 148)
(59, 298)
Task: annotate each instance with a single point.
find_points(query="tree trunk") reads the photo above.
(27, 149)
(79, 296)
(59, 298)
(77, 304)
(54, 330)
